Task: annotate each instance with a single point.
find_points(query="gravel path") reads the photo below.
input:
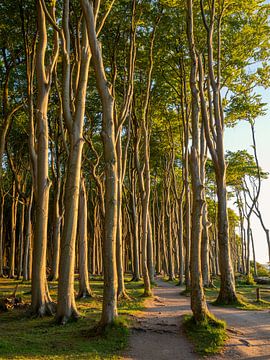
(157, 333)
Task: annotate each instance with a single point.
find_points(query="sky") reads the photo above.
(239, 138)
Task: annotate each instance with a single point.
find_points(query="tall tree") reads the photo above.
(41, 301)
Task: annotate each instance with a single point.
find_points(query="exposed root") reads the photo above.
(101, 329)
(64, 319)
(147, 293)
(123, 296)
(229, 299)
(45, 309)
(85, 294)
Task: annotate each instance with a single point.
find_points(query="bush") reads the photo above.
(249, 280)
(261, 269)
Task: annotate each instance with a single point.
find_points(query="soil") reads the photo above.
(157, 332)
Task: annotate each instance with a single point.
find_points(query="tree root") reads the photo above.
(85, 294)
(45, 309)
(147, 293)
(123, 296)
(64, 319)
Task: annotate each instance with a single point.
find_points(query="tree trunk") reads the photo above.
(14, 209)
(109, 306)
(253, 251)
(27, 263)
(66, 307)
(214, 133)
(21, 242)
(180, 240)
(198, 301)
(187, 221)
(121, 292)
(205, 223)
(56, 232)
(169, 234)
(136, 264)
(2, 234)
(41, 301)
(227, 294)
(164, 248)
(145, 208)
(150, 255)
(84, 287)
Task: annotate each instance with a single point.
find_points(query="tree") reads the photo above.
(198, 302)
(109, 309)
(41, 301)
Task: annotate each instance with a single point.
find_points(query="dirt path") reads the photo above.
(249, 333)
(157, 332)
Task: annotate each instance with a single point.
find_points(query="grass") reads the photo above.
(208, 337)
(246, 295)
(175, 281)
(26, 338)
(247, 299)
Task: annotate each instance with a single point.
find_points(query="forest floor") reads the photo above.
(157, 332)
(155, 327)
(23, 337)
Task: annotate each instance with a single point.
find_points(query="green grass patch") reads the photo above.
(247, 298)
(175, 281)
(26, 338)
(208, 337)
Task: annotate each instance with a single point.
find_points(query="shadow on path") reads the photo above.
(157, 332)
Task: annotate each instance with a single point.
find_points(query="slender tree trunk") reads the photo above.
(1, 234)
(205, 248)
(146, 277)
(180, 240)
(150, 250)
(56, 232)
(14, 209)
(84, 287)
(164, 248)
(198, 301)
(41, 301)
(214, 133)
(227, 293)
(187, 220)
(242, 232)
(66, 307)
(253, 252)
(21, 241)
(144, 217)
(158, 254)
(109, 306)
(121, 292)
(27, 263)
(136, 264)
(205, 223)
(169, 234)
